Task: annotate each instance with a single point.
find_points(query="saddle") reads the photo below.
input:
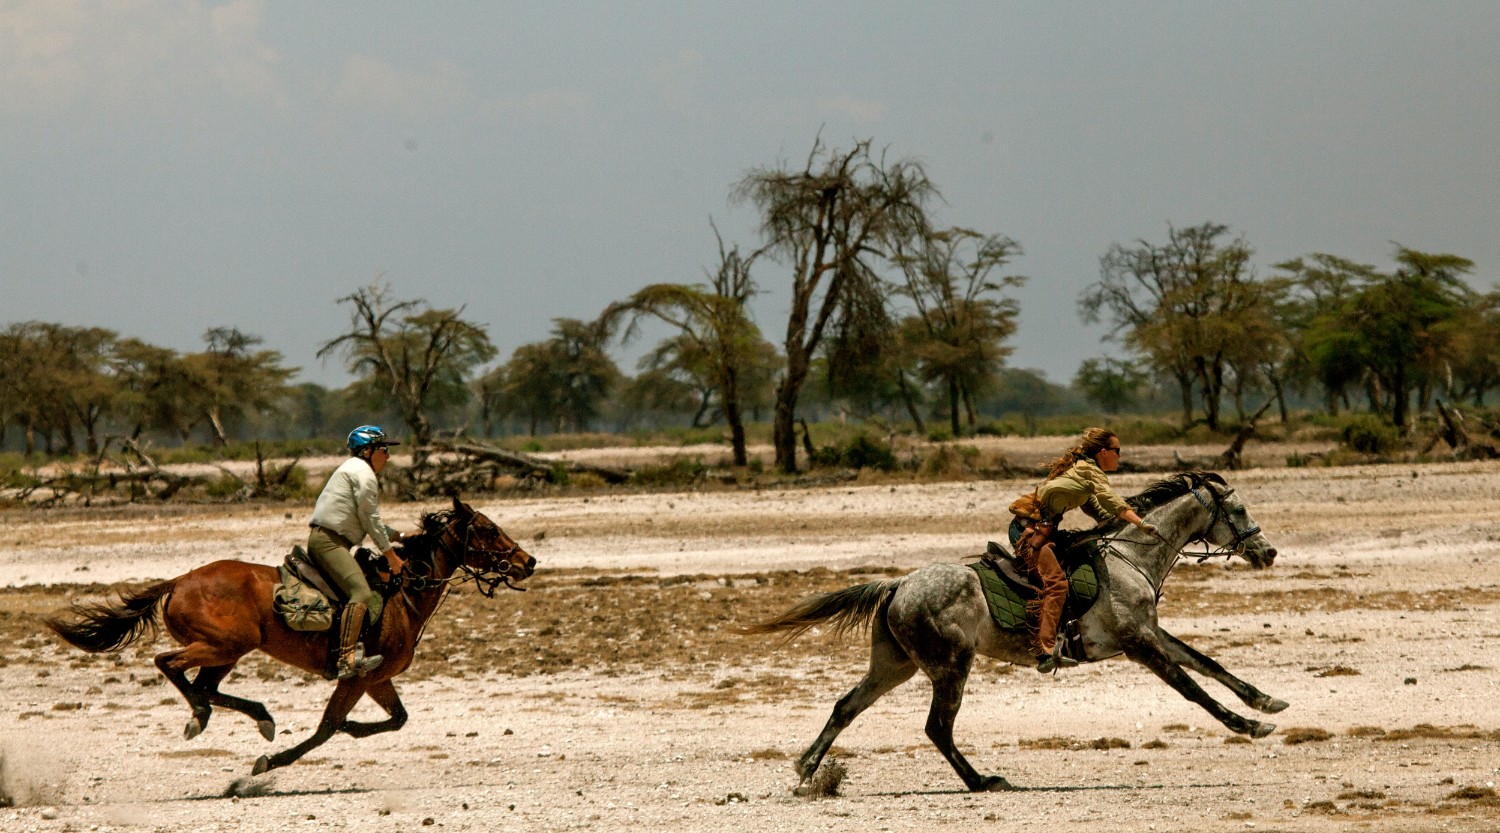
(1009, 590)
(308, 600)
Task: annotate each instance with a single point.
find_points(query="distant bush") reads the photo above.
(1369, 434)
(680, 472)
(861, 452)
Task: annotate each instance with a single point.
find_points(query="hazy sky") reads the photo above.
(171, 165)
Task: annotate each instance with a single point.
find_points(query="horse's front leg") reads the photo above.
(339, 705)
(384, 694)
(1195, 660)
(1149, 648)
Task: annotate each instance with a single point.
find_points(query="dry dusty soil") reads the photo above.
(612, 695)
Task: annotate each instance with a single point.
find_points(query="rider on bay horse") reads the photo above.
(347, 511)
(1074, 480)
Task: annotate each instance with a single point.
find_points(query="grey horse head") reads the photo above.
(1231, 528)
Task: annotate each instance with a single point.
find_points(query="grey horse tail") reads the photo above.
(100, 628)
(848, 609)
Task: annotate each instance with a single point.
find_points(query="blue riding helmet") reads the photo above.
(366, 436)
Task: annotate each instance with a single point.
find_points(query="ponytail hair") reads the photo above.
(1094, 440)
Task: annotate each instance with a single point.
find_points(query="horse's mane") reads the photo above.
(423, 544)
(1170, 488)
(433, 522)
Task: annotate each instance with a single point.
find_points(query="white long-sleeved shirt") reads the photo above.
(350, 505)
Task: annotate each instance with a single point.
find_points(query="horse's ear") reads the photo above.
(459, 506)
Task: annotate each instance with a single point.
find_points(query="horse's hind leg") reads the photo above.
(1195, 660)
(889, 667)
(174, 666)
(948, 680)
(207, 684)
(385, 695)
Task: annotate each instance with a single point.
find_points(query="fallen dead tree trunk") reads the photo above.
(470, 467)
(1464, 445)
(526, 462)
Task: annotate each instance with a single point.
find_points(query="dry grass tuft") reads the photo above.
(1305, 734)
(1337, 671)
(1350, 795)
(1053, 742)
(1365, 732)
(768, 755)
(1476, 794)
(1155, 744)
(1427, 731)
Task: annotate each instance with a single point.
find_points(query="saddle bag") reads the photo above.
(299, 604)
(1028, 506)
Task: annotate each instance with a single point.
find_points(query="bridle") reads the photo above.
(1217, 514)
(487, 580)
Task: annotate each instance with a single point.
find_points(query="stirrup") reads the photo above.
(1048, 663)
(359, 664)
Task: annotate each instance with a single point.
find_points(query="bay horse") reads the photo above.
(222, 611)
(936, 619)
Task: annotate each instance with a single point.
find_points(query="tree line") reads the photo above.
(892, 314)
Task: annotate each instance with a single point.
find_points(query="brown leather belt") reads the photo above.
(337, 538)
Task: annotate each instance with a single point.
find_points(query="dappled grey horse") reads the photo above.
(936, 619)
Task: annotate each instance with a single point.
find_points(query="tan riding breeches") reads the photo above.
(1039, 557)
(339, 564)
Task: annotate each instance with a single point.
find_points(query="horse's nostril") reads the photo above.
(1270, 555)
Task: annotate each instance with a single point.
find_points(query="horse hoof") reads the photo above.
(1259, 730)
(193, 729)
(1271, 705)
(992, 784)
(267, 729)
(262, 766)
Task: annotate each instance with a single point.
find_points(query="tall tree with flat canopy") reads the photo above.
(716, 336)
(418, 356)
(962, 317)
(834, 222)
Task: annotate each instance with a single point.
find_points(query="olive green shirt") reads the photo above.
(1084, 486)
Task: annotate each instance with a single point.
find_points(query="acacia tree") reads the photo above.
(418, 356)
(1315, 293)
(717, 342)
(1410, 325)
(561, 382)
(1478, 370)
(957, 335)
(1113, 383)
(833, 223)
(230, 377)
(1192, 307)
(54, 378)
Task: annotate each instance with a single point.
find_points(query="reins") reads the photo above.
(1217, 514)
(486, 581)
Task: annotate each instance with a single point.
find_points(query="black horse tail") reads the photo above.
(98, 627)
(848, 609)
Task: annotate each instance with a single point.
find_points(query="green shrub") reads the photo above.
(864, 452)
(680, 472)
(1369, 434)
(939, 435)
(224, 486)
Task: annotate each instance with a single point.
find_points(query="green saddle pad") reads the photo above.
(1007, 600)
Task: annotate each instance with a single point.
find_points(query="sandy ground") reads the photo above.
(1379, 623)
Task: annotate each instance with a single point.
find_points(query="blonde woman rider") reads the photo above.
(1076, 480)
